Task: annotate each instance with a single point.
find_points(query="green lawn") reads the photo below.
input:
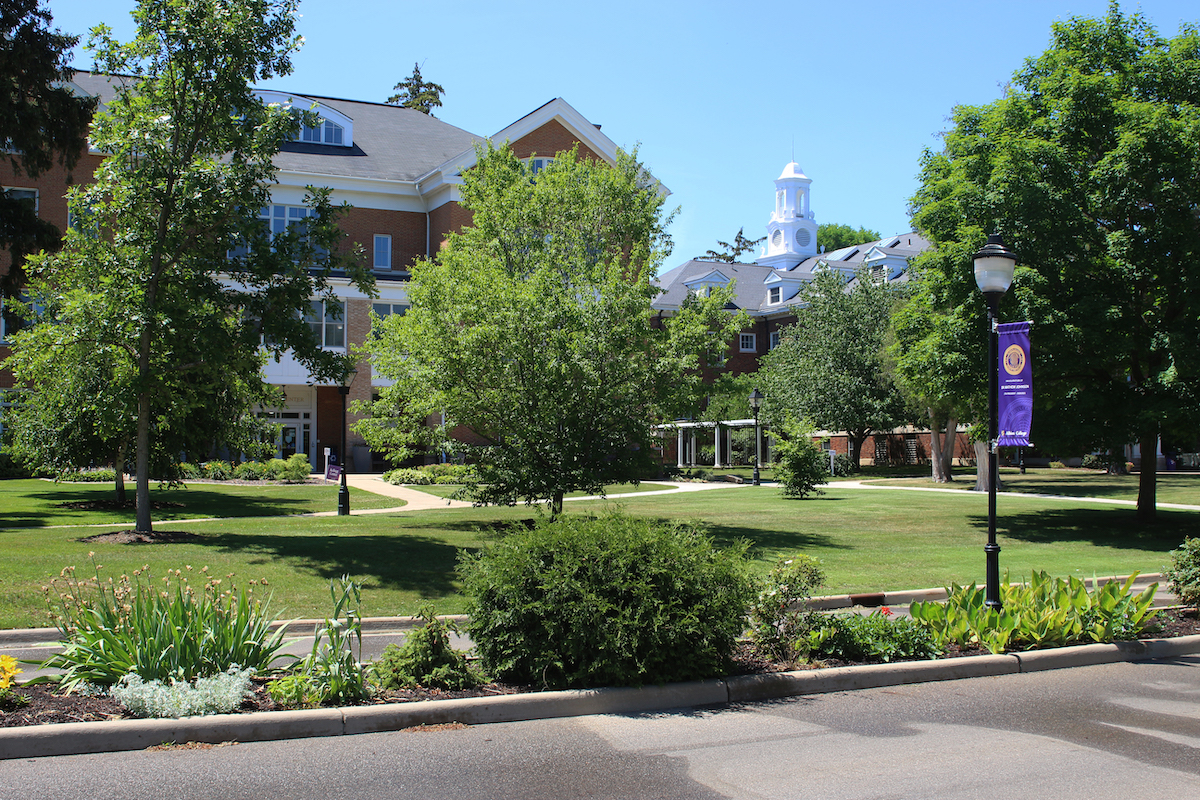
(868, 539)
(38, 503)
(1173, 487)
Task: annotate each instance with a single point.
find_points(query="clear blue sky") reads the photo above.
(718, 96)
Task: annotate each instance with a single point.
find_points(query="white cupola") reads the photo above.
(792, 231)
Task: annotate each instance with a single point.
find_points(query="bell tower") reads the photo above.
(792, 231)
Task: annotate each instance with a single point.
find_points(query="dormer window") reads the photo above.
(325, 132)
(774, 294)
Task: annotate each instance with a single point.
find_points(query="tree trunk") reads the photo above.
(1147, 502)
(854, 445)
(556, 504)
(982, 479)
(943, 448)
(119, 477)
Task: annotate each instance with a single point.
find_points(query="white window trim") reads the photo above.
(36, 195)
(775, 295)
(753, 339)
(386, 238)
(773, 340)
(327, 325)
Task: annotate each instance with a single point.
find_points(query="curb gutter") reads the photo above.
(100, 737)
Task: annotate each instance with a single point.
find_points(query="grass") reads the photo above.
(1172, 487)
(868, 539)
(38, 503)
(447, 489)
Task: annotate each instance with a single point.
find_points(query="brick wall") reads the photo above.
(447, 218)
(407, 229)
(548, 140)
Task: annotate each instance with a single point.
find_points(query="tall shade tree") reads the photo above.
(829, 367)
(532, 332)
(41, 122)
(834, 236)
(171, 265)
(416, 92)
(1091, 168)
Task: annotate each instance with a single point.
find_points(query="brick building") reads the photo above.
(400, 171)
(767, 290)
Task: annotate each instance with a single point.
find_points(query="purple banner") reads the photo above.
(1014, 408)
(333, 472)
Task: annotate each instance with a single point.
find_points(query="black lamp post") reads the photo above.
(994, 265)
(756, 398)
(343, 490)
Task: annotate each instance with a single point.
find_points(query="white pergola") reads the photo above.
(688, 433)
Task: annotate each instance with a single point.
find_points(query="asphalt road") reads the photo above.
(1112, 731)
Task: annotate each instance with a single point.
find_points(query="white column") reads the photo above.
(679, 450)
(717, 446)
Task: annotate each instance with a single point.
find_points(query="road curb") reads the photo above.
(100, 737)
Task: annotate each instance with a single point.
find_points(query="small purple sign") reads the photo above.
(333, 472)
(1014, 408)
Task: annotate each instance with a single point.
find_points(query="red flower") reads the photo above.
(887, 612)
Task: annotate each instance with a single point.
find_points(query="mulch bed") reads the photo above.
(137, 537)
(46, 707)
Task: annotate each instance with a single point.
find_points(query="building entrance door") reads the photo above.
(289, 441)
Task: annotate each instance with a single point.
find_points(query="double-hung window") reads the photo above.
(748, 342)
(774, 339)
(383, 251)
(328, 322)
(774, 294)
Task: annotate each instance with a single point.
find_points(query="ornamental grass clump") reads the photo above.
(609, 601)
(161, 629)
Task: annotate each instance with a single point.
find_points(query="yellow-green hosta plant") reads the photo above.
(164, 629)
(1045, 612)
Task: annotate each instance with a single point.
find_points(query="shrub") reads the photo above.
(217, 694)
(448, 480)
(426, 659)
(842, 465)
(1184, 572)
(877, 637)
(1094, 461)
(160, 630)
(610, 601)
(189, 471)
(778, 619)
(87, 476)
(1057, 465)
(216, 470)
(799, 468)
(295, 470)
(250, 471)
(11, 468)
(401, 476)
(461, 473)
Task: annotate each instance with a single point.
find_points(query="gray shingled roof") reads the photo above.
(390, 143)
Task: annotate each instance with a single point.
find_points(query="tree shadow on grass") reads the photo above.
(181, 504)
(1117, 528)
(411, 563)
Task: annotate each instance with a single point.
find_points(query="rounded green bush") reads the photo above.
(249, 471)
(296, 469)
(412, 477)
(613, 601)
(217, 470)
(1184, 572)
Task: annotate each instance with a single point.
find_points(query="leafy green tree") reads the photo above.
(1089, 166)
(834, 236)
(730, 253)
(415, 92)
(174, 269)
(41, 122)
(800, 466)
(532, 332)
(829, 367)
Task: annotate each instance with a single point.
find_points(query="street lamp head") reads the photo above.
(994, 265)
(349, 375)
(756, 398)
